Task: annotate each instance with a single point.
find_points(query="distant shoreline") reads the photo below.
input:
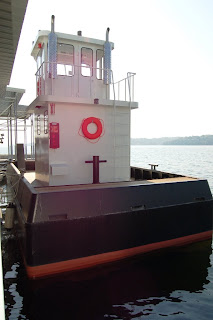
(205, 140)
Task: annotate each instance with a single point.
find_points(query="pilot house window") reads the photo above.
(99, 64)
(65, 60)
(86, 62)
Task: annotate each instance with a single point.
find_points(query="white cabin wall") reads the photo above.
(74, 149)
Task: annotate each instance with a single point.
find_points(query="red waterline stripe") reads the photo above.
(91, 261)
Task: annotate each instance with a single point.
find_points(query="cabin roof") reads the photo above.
(42, 34)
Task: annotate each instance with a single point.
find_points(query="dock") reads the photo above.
(2, 310)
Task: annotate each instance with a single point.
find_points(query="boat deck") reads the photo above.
(30, 176)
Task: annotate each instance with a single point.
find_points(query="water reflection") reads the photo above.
(174, 284)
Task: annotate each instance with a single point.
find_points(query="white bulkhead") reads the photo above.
(79, 111)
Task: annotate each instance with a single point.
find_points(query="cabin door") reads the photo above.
(85, 72)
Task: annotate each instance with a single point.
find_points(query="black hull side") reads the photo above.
(55, 241)
(87, 225)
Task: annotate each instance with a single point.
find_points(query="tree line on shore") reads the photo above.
(192, 140)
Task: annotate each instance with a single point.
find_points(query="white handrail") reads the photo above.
(42, 73)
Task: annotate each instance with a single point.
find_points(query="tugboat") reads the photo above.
(80, 204)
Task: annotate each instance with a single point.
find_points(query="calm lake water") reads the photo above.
(177, 285)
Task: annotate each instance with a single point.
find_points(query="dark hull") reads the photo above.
(157, 216)
(88, 237)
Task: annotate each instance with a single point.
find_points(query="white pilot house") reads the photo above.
(82, 130)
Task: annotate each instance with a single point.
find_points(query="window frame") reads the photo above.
(87, 66)
(66, 71)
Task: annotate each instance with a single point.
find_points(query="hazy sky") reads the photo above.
(168, 43)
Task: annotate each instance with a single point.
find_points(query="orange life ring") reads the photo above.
(85, 131)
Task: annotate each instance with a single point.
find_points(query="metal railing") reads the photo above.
(125, 88)
(122, 90)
